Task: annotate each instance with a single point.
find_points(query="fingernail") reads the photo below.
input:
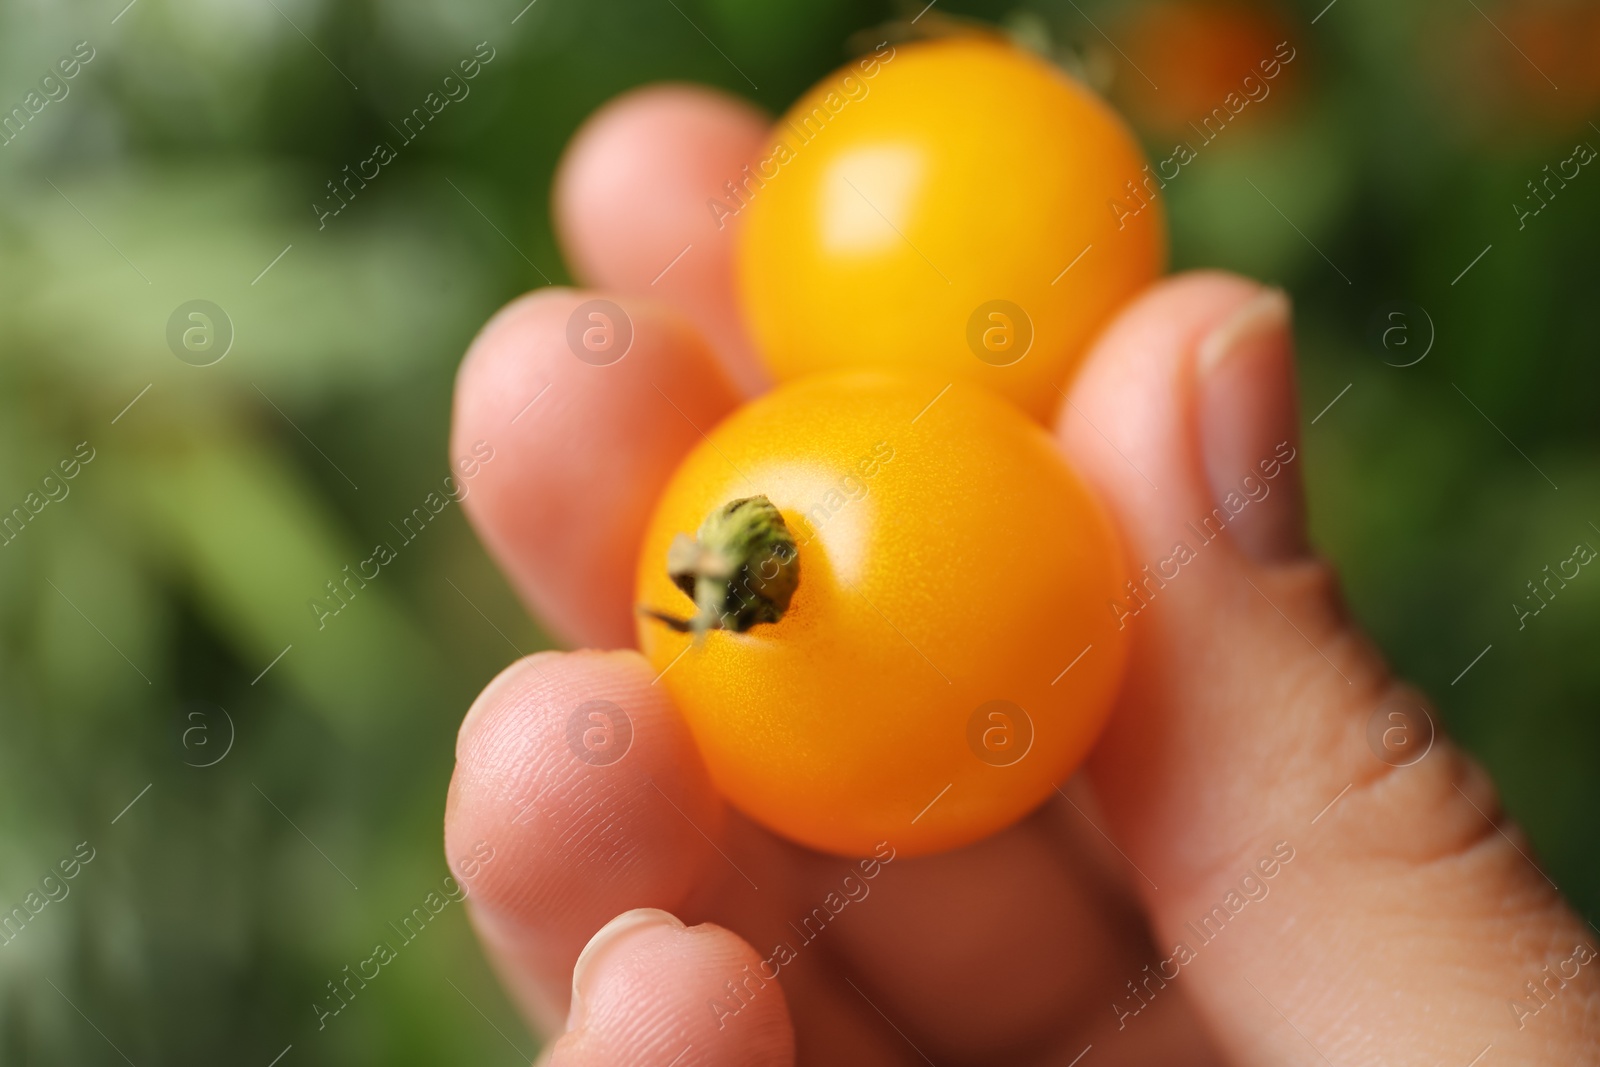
(603, 942)
(1249, 429)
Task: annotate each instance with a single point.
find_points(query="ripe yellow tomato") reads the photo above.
(945, 650)
(959, 208)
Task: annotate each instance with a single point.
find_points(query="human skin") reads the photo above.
(623, 898)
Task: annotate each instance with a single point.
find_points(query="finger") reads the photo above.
(633, 198)
(641, 991)
(580, 441)
(1370, 910)
(1016, 904)
(577, 794)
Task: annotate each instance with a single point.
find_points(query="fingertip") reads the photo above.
(588, 970)
(571, 411)
(666, 122)
(631, 203)
(525, 672)
(577, 794)
(648, 989)
(1129, 424)
(1165, 323)
(1159, 328)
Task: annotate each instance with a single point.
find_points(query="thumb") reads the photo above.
(1328, 882)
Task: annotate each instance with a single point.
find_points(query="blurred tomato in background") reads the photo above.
(1520, 70)
(1187, 56)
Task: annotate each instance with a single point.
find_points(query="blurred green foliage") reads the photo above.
(176, 571)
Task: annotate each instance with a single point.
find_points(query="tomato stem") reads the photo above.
(740, 569)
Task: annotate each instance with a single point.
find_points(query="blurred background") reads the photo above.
(168, 704)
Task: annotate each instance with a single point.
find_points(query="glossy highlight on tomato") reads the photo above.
(951, 567)
(955, 207)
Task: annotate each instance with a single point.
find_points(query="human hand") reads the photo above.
(1244, 874)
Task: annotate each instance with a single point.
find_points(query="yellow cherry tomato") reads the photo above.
(944, 651)
(959, 208)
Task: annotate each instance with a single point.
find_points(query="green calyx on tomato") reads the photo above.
(740, 569)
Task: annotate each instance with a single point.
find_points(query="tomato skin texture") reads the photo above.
(945, 563)
(961, 172)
